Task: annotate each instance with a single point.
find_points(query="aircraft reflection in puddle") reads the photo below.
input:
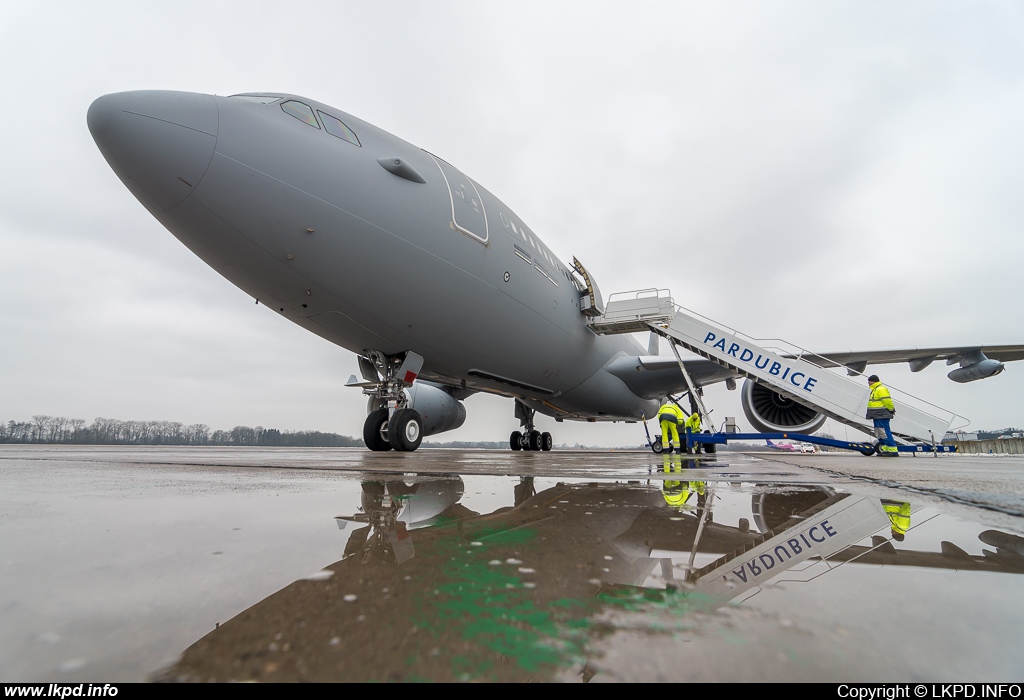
(430, 590)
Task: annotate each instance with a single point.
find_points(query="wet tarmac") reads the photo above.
(128, 564)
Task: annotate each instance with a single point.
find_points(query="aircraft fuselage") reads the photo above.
(334, 230)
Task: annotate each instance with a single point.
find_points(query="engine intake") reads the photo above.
(770, 412)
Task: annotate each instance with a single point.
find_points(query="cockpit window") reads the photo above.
(301, 111)
(336, 127)
(259, 99)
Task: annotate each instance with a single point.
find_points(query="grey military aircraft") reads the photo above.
(394, 254)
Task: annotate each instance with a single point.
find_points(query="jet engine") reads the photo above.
(440, 411)
(770, 412)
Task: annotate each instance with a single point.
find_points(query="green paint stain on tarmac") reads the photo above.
(483, 601)
(481, 604)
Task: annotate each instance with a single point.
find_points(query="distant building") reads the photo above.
(959, 436)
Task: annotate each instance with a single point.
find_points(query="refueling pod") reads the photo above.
(979, 370)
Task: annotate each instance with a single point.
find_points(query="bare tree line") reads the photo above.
(110, 431)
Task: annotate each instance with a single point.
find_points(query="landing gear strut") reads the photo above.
(528, 438)
(391, 424)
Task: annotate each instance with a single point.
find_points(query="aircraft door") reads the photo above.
(468, 214)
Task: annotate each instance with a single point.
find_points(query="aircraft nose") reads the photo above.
(159, 142)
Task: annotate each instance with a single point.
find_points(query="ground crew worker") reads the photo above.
(693, 424)
(881, 410)
(899, 517)
(670, 416)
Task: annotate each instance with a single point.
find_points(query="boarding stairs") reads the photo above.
(790, 371)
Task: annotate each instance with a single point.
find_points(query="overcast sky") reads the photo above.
(775, 165)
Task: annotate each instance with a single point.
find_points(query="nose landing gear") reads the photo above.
(392, 425)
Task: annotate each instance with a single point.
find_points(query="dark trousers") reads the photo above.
(883, 433)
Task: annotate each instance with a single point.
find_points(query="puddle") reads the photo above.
(584, 580)
(640, 569)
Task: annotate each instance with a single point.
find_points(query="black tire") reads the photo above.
(535, 441)
(546, 442)
(869, 451)
(375, 428)
(405, 431)
(656, 446)
(709, 447)
(515, 441)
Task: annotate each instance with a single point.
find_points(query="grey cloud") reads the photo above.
(777, 146)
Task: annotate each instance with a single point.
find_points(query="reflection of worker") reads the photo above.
(881, 410)
(670, 416)
(677, 493)
(899, 517)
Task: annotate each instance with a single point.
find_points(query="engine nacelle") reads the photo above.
(979, 370)
(439, 410)
(769, 412)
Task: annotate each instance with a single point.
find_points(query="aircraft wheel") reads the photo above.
(546, 442)
(375, 431)
(515, 441)
(535, 441)
(405, 431)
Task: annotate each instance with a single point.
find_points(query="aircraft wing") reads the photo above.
(655, 376)
(919, 357)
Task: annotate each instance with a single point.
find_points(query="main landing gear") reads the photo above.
(392, 425)
(528, 439)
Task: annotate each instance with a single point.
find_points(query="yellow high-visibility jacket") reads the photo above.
(677, 493)
(880, 403)
(899, 515)
(671, 413)
(693, 422)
